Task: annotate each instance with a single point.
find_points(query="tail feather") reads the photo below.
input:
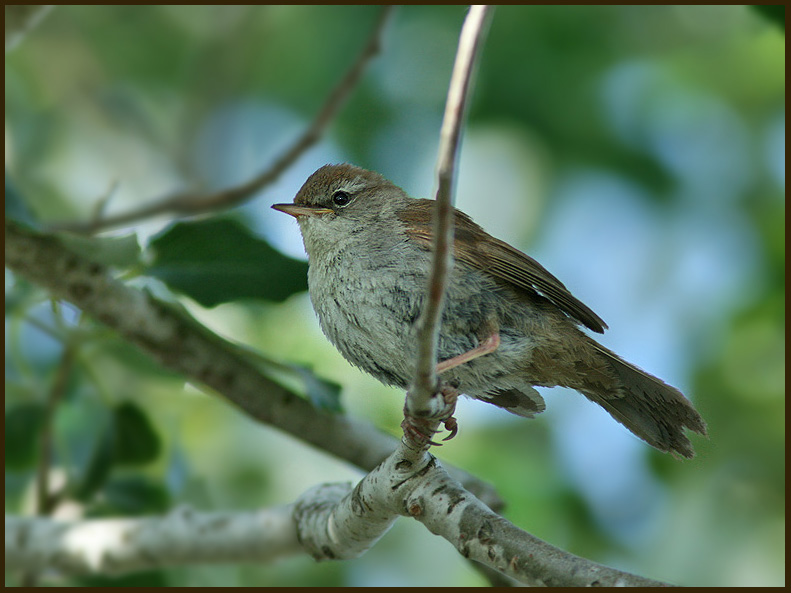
(649, 407)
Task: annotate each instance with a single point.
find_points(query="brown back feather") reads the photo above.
(498, 259)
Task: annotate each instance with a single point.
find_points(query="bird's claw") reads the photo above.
(415, 429)
(421, 430)
(451, 426)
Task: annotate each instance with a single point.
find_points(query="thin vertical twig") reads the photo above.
(45, 501)
(424, 385)
(44, 497)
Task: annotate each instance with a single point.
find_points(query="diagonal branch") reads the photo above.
(191, 202)
(358, 517)
(181, 344)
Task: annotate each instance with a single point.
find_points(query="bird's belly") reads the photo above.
(370, 317)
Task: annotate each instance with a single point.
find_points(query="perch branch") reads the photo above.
(329, 521)
(420, 399)
(428, 494)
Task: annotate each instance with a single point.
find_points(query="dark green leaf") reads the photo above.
(99, 467)
(323, 394)
(220, 260)
(773, 12)
(22, 427)
(136, 442)
(134, 495)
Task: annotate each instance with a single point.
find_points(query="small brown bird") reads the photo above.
(508, 324)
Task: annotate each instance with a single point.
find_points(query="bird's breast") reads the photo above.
(367, 307)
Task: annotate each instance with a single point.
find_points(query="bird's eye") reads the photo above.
(341, 198)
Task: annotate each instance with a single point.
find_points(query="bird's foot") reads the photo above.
(421, 429)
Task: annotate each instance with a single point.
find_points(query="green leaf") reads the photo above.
(127, 438)
(136, 362)
(136, 441)
(99, 467)
(19, 295)
(774, 12)
(134, 495)
(322, 393)
(220, 260)
(22, 427)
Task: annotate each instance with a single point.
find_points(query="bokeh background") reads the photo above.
(637, 152)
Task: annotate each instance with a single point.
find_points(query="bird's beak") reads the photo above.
(296, 210)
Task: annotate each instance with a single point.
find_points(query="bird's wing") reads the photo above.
(499, 260)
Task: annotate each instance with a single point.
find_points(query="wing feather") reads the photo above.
(498, 259)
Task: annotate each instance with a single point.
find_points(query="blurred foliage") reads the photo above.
(23, 426)
(682, 106)
(774, 12)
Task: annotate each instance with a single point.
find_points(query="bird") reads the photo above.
(508, 325)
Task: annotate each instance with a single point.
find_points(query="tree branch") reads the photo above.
(330, 521)
(420, 399)
(427, 493)
(44, 496)
(190, 202)
(175, 340)
(115, 546)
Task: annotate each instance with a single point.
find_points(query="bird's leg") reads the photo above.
(417, 428)
(489, 345)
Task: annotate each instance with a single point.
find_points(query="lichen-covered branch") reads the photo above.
(330, 521)
(115, 546)
(335, 522)
(428, 494)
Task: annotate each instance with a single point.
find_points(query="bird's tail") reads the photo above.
(646, 405)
